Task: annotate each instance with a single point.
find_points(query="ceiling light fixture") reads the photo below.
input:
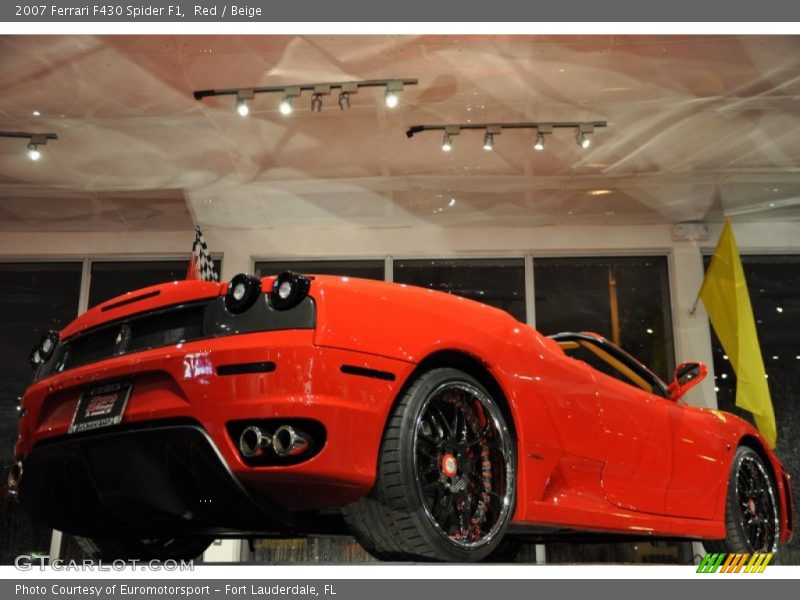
(285, 107)
(447, 141)
(392, 89)
(582, 129)
(35, 141)
(242, 97)
(316, 98)
(33, 152)
(391, 99)
(488, 139)
(542, 130)
(581, 135)
(344, 95)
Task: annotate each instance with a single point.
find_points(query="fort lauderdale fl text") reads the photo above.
(297, 590)
(138, 11)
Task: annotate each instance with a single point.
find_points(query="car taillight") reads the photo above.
(242, 292)
(288, 290)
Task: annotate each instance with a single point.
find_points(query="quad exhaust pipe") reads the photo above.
(14, 477)
(286, 441)
(253, 441)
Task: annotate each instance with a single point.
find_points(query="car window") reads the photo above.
(600, 360)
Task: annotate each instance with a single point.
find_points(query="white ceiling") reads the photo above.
(698, 127)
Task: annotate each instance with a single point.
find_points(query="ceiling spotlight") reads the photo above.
(36, 113)
(488, 138)
(447, 143)
(392, 89)
(242, 96)
(33, 152)
(539, 145)
(316, 97)
(344, 94)
(285, 107)
(584, 129)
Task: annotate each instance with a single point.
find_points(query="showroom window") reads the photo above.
(365, 269)
(774, 286)
(112, 278)
(35, 298)
(499, 282)
(625, 299)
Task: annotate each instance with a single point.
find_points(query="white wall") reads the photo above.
(241, 247)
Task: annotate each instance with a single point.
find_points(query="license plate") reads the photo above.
(101, 407)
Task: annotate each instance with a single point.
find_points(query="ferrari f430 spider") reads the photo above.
(429, 426)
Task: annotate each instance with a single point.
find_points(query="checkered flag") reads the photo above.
(201, 267)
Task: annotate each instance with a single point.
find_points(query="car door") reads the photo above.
(634, 422)
(638, 445)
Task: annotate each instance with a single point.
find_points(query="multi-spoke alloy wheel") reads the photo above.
(752, 514)
(461, 458)
(758, 512)
(446, 474)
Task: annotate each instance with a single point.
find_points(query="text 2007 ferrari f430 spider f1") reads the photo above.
(431, 426)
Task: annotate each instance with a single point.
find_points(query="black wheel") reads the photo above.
(144, 549)
(445, 485)
(752, 516)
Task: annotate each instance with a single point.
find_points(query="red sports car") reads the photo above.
(431, 426)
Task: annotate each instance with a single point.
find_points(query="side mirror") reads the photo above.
(687, 375)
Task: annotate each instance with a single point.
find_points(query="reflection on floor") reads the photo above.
(346, 550)
(19, 533)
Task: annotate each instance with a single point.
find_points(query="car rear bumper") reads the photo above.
(159, 480)
(211, 385)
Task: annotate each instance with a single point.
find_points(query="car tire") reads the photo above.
(145, 549)
(752, 513)
(446, 475)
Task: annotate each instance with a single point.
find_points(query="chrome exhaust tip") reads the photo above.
(288, 442)
(253, 441)
(14, 477)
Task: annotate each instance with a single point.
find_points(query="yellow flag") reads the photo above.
(724, 294)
